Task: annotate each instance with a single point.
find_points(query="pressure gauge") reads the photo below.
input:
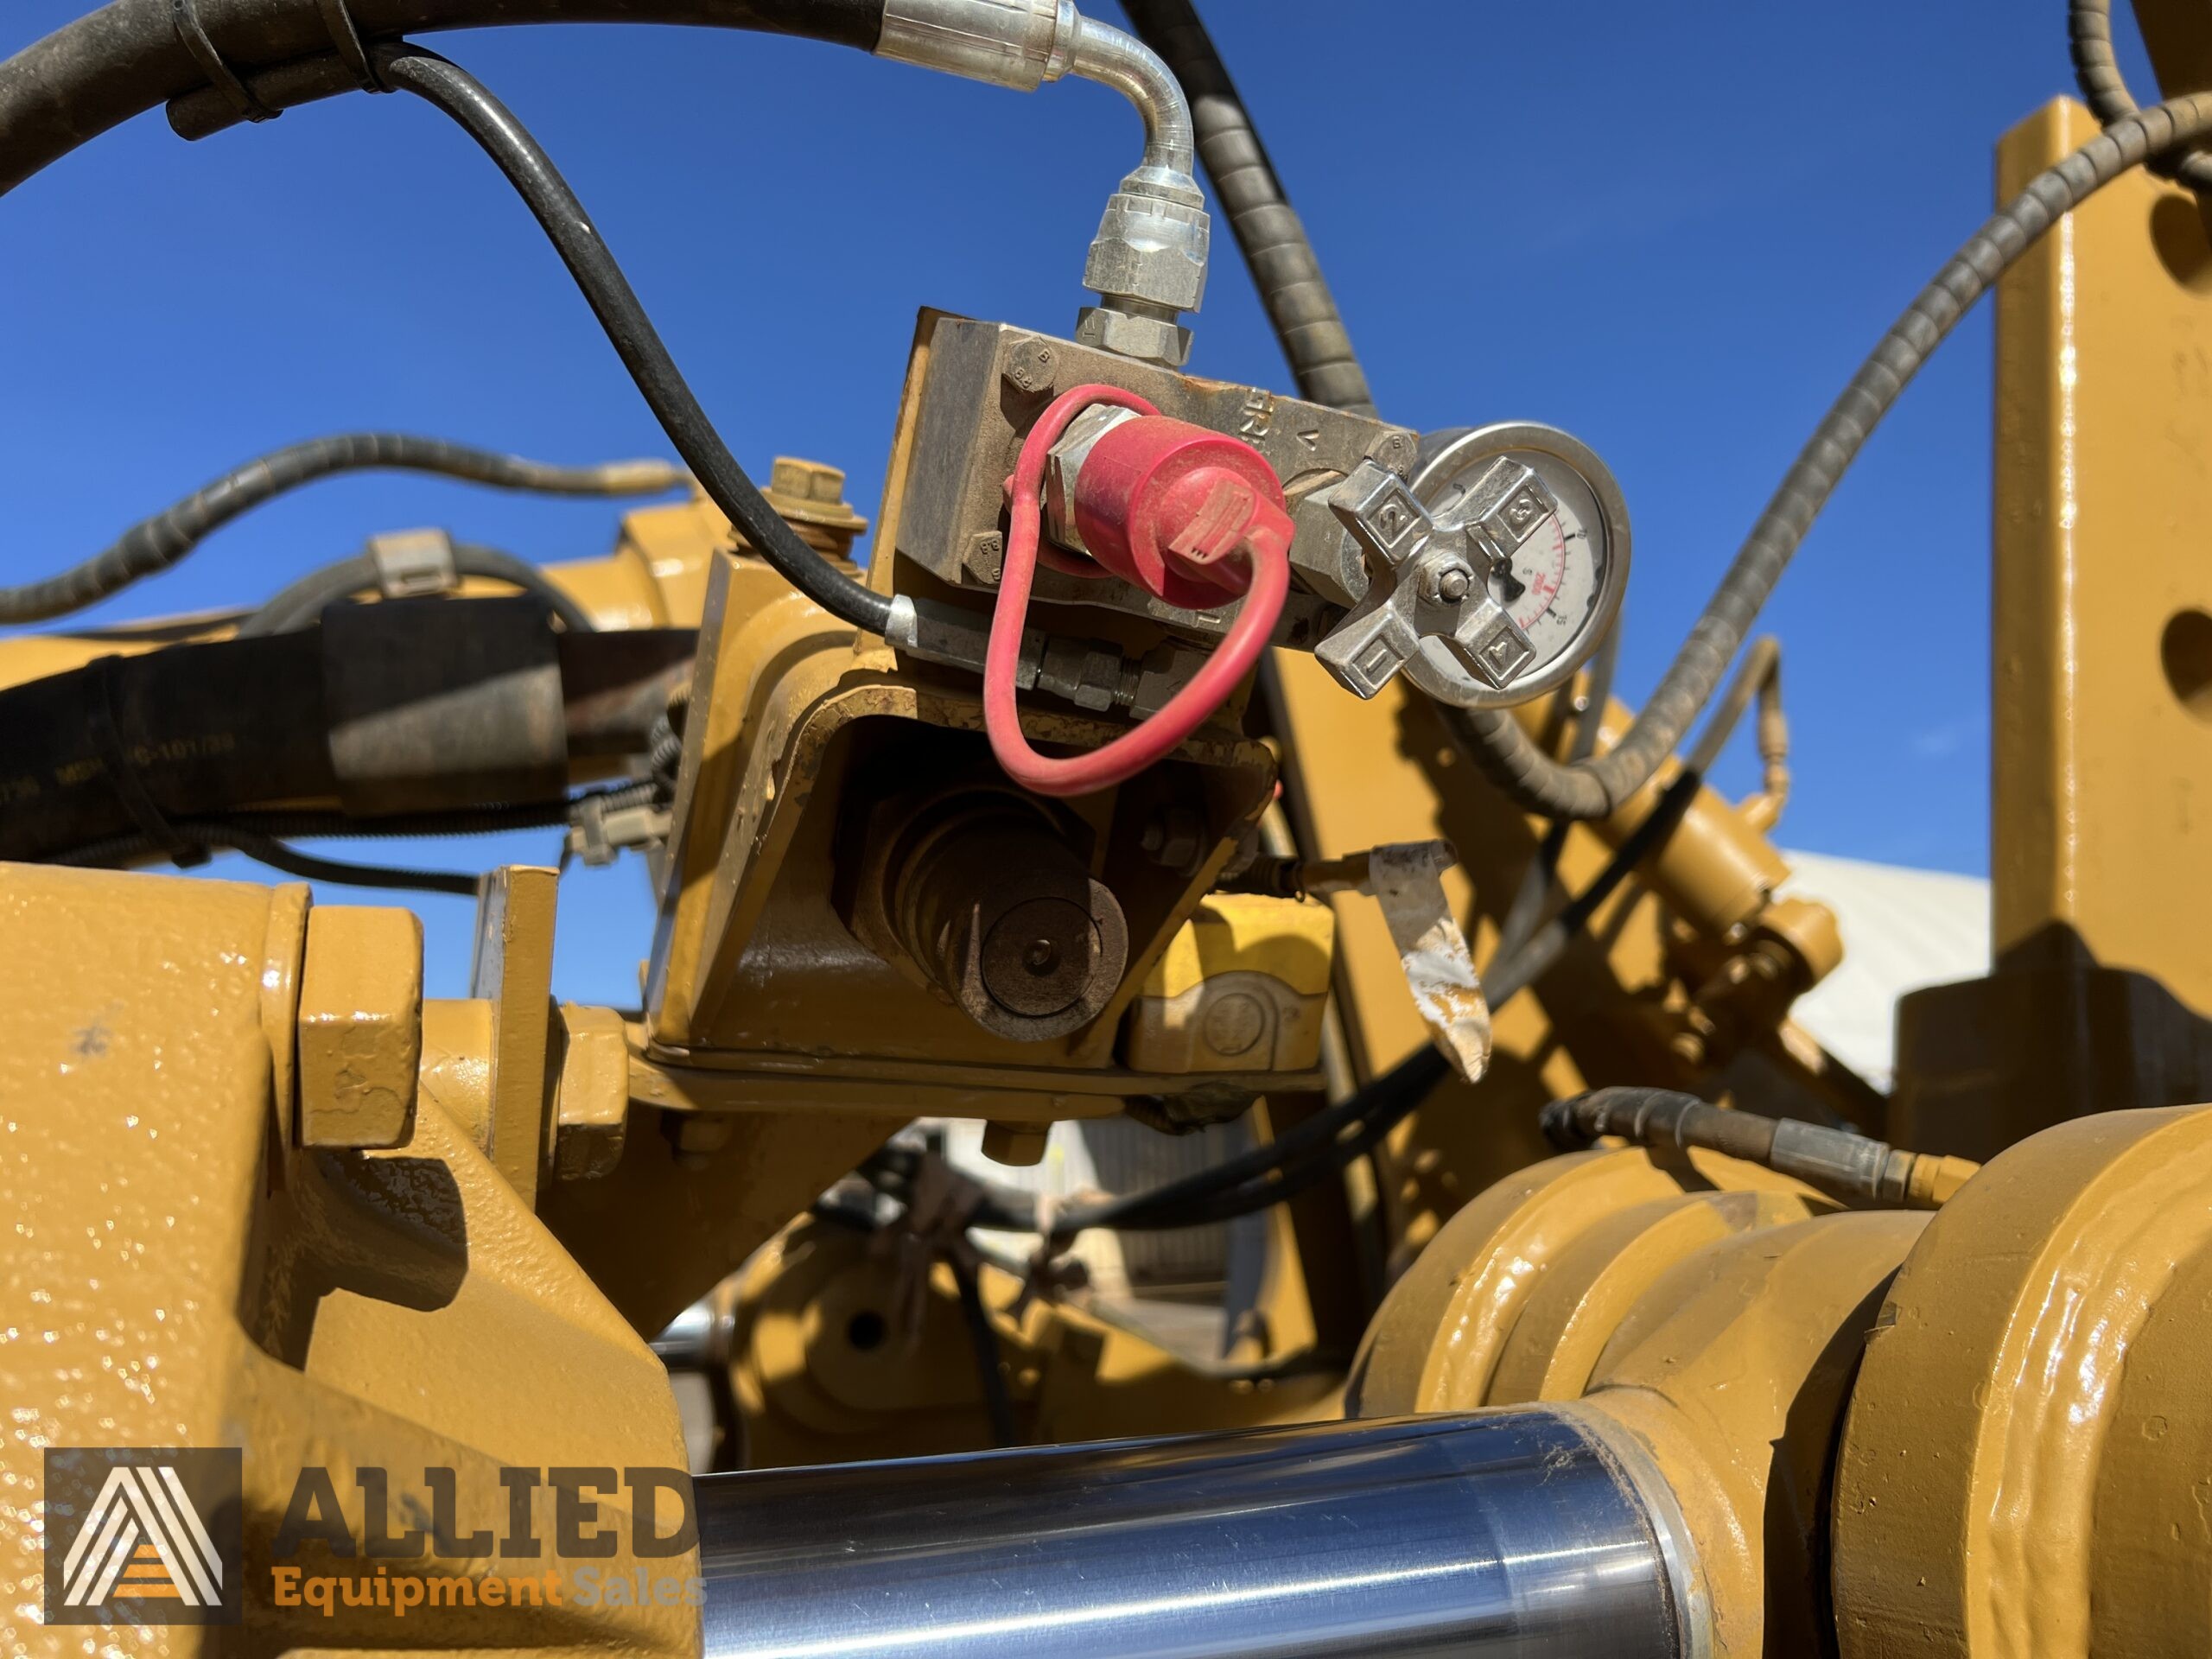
(1562, 585)
(1492, 577)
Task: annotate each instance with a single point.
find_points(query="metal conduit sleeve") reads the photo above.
(1541, 1532)
(127, 58)
(2088, 36)
(1274, 242)
(1599, 787)
(155, 543)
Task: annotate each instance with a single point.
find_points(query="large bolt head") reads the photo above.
(360, 1027)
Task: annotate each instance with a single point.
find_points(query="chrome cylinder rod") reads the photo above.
(1520, 1532)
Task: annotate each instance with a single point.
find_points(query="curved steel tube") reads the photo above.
(1508, 1532)
(1123, 62)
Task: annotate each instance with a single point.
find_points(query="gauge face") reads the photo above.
(1562, 584)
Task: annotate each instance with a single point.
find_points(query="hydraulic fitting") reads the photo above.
(1147, 264)
(1162, 504)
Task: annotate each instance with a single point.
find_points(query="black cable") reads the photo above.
(124, 58)
(458, 95)
(262, 836)
(1523, 916)
(266, 849)
(2096, 71)
(1275, 245)
(982, 1341)
(156, 544)
(300, 603)
(1599, 787)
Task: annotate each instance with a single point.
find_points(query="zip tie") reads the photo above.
(347, 39)
(192, 35)
(122, 775)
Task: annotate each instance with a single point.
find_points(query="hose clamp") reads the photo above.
(192, 35)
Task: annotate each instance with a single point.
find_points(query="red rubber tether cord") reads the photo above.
(1188, 709)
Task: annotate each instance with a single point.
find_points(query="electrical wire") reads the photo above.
(156, 544)
(1523, 916)
(295, 607)
(265, 849)
(1599, 787)
(263, 837)
(449, 88)
(1155, 737)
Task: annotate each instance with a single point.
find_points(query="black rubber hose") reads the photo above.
(1275, 245)
(527, 166)
(129, 56)
(2089, 35)
(1521, 917)
(155, 543)
(304, 601)
(1849, 1165)
(1597, 788)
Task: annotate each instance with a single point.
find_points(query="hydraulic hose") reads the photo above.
(155, 544)
(630, 331)
(2089, 35)
(1599, 787)
(1850, 1167)
(129, 56)
(1273, 243)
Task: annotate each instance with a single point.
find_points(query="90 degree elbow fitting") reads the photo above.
(1147, 264)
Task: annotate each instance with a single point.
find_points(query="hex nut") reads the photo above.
(1148, 340)
(360, 1027)
(1015, 1146)
(1151, 250)
(592, 1105)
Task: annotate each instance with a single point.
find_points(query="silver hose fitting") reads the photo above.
(1147, 264)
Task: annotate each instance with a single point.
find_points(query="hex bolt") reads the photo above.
(1029, 366)
(361, 1027)
(1446, 583)
(1015, 1146)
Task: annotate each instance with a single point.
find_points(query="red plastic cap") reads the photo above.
(1167, 505)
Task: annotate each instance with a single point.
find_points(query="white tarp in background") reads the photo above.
(1903, 929)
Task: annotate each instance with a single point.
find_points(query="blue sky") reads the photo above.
(1675, 241)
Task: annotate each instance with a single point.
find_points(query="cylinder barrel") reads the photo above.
(1516, 1532)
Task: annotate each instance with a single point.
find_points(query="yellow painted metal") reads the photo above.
(1441, 1338)
(1364, 773)
(181, 1274)
(1243, 987)
(2103, 598)
(360, 1027)
(2026, 1472)
(513, 971)
(592, 1099)
(824, 1371)
(1710, 1308)
(1289, 939)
